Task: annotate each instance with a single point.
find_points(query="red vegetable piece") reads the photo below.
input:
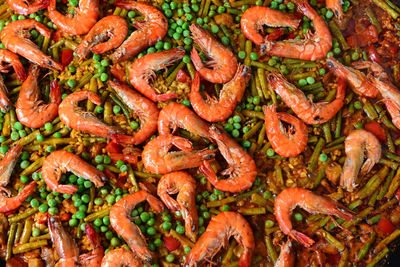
(275, 35)
(113, 147)
(171, 243)
(56, 36)
(66, 57)
(43, 218)
(385, 226)
(376, 129)
(373, 55)
(363, 38)
(183, 77)
(131, 159)
(118, 72)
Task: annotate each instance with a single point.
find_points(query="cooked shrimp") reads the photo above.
(150, 31)
(176, 115)
(8, 204)
(68, 250)
(394, 111)
(12, 59)
(223, 62)
(287, 256)
(143, 108)
(121, 221)
(184, 185)
(142, 71)
(31, 111)
(5, 102)
(356, 143)
(315, 46)
(216, 236)
(285, 143)
(23, 7)
(242, 169)
(254, 19)
(7, 164)
(120, 257)
(81, 22)
(14, 37)
(336, 6)
(76, 118)
(358, 81)
(157, 158)
(113, 28)
(290, 198)
(306, 110)
(59, 162)
(214, 110)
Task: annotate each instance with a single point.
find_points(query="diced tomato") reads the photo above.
(171, 243)
(183, 77)
(56, 36)
(363, 38)
(275, 35)
(43, 218)
(92, 235)
(376, 129)
(113, 147)
(373, 55)
(290, 36)
(118, 72)
(66, 57)
(65, 217)
(131, 159)
(385, 226)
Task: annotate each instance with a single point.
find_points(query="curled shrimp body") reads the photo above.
(290, 198)
(150, 31)
(114, 28)
(357, 80)
(254, 18)
(184, 185)
(143, 70)
(121, 221)
(216, 236)
(176, 115)
(306, 110)
(223, 62)
(23, 7)
(157, 158)
(14, 37)
(315, 46)
(356, 143)
(59, 162)
(143, 108)
(31, 110)
(120, 257)
(285, 143)
(76, 118)
(12, 203)
(7, 164)
(242, 169)
(214, 110)
(68, 250)
(287, 256)
(85, 16)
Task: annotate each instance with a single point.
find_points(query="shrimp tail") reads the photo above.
(123, 139)
(55, 92)
(66, 189)
(208, 171)
(93, 236)
(196, 59)
(20, 71)
(301, 238)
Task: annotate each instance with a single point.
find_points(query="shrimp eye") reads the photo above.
(317, 118)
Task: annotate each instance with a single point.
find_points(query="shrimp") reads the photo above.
(285, 143)
(81, 22)
(315, 46)
(287, 256)
(120, 257)
(184, 185)
(290, 198)
(358, 81)
(31, 111)
(214, 110)
(157, 159)
(9, 57)
(68, 250)
(143, 70)
(8, 163)
(254, 18)
(307, 111)
(150, 31)
(76, 118)
(336, 6)
(242, 169)
(8, 204)
(144, 108)
(121, 221)
(216, 236)
(15, 35)
(176, 115)
(23, 7)
(356, 142)
(113, 27)
(59, 162)
(223, 61)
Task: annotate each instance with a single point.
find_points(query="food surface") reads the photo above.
(199, 133)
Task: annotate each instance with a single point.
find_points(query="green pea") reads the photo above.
(242, 54)
(73, 222)
(85, 198)
(337, 51)
(107, 160)
(119, 164)
(106, 220)
(355, 56)
(310, 80)
(96, 57)
(35, 232)
(270, 152)
(114, 242)
(43, 207)
(98, 201)
(167, 226)
(206, 215)
(35, 203)
(99, 159)
(52, 203)
(14, 136)
(225, 208)
(180, 229)
(71, 83)
(358, 125)
(104, 77)
(24, 164)
(298, 217)
(110, 199)
(323, 157)
(235, 133)
(80, 214)
(144, 216)
(4, 149)
(151, 231)
(329, 14)
(98, 222)
(269, 223)
(116, 109)
(221, 9)
(302, 82)
(109, 235)
(18, 126)
(167, 46)
(170, 257)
